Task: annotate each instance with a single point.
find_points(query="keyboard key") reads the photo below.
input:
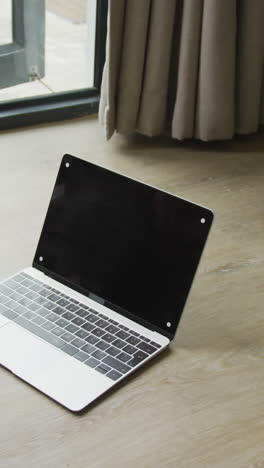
(123, 357)
(22, 290)
(133, 340)
(40, 332)
(58, 310)
(78, 321)
(78, 342)
(31, 295)
(119, 343)
(63, 302)
(33, 306)
(93, 311)
(114, 375)
(35, 287)
(92, 362)
(25, 301)
(19, 278)
(115, 364)
(92, 339)
(102, 316)
(98, 354)
(69, 349)
(143, 338)
(104, 367)
(4, 290)
(67, 337)
(62, 323)
(3, 299)
(25, 275)
(130, 349)
(134, 333)
(156, 345)
(122, 334)
(98, 332)
(138, 357)
(81, 333)
(88, 326)
(29, 315)
(40, 300)
(91, 318)
(20, 309)
(72, 328)
(82, 313)
(101, 370)
(68, 316)
(123, 327)
(48, 326)
(88, 348)
(113, 351)
(48, 304)
(44, 292)
(53, 297)
(109, 338)
(12, 284)
(36, 281)
(72, 307)
(10, 314)
(52, 317)
(113, 322)
(38, 320)
(58, 331)
(102, 345)
(43, 312)
(112, 329)
(9, 293)
(102, 323)
(146, 347)
(27, 283)
(15, 297)
(81, 356)
(11, 304)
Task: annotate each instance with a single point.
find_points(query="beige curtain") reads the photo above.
(193, 68)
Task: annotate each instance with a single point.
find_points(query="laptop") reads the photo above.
(112, 271)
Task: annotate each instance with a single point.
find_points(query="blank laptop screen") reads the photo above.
(132, 245)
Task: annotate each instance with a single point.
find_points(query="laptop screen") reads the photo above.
(121, 241)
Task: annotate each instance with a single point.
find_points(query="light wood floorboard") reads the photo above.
(201, 403)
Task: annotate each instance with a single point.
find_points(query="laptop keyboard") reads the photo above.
(80, 331)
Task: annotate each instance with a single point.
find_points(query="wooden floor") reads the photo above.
(200, 404)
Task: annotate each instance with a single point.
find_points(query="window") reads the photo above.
(51, 59)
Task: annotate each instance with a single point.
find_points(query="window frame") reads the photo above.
(26, 50)
(63, 105)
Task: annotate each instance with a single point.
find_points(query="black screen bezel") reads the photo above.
(200, 212)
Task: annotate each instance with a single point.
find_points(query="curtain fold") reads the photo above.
(131, 73)
(250, 63)
(216, 80)
(193, 68)
(153, 104)
(183, 121)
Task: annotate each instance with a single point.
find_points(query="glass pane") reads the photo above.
(5, 21)
(69, 50)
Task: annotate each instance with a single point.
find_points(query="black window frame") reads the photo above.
(63, 105)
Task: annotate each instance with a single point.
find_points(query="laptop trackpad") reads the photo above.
(24, 354)
(59, 376)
